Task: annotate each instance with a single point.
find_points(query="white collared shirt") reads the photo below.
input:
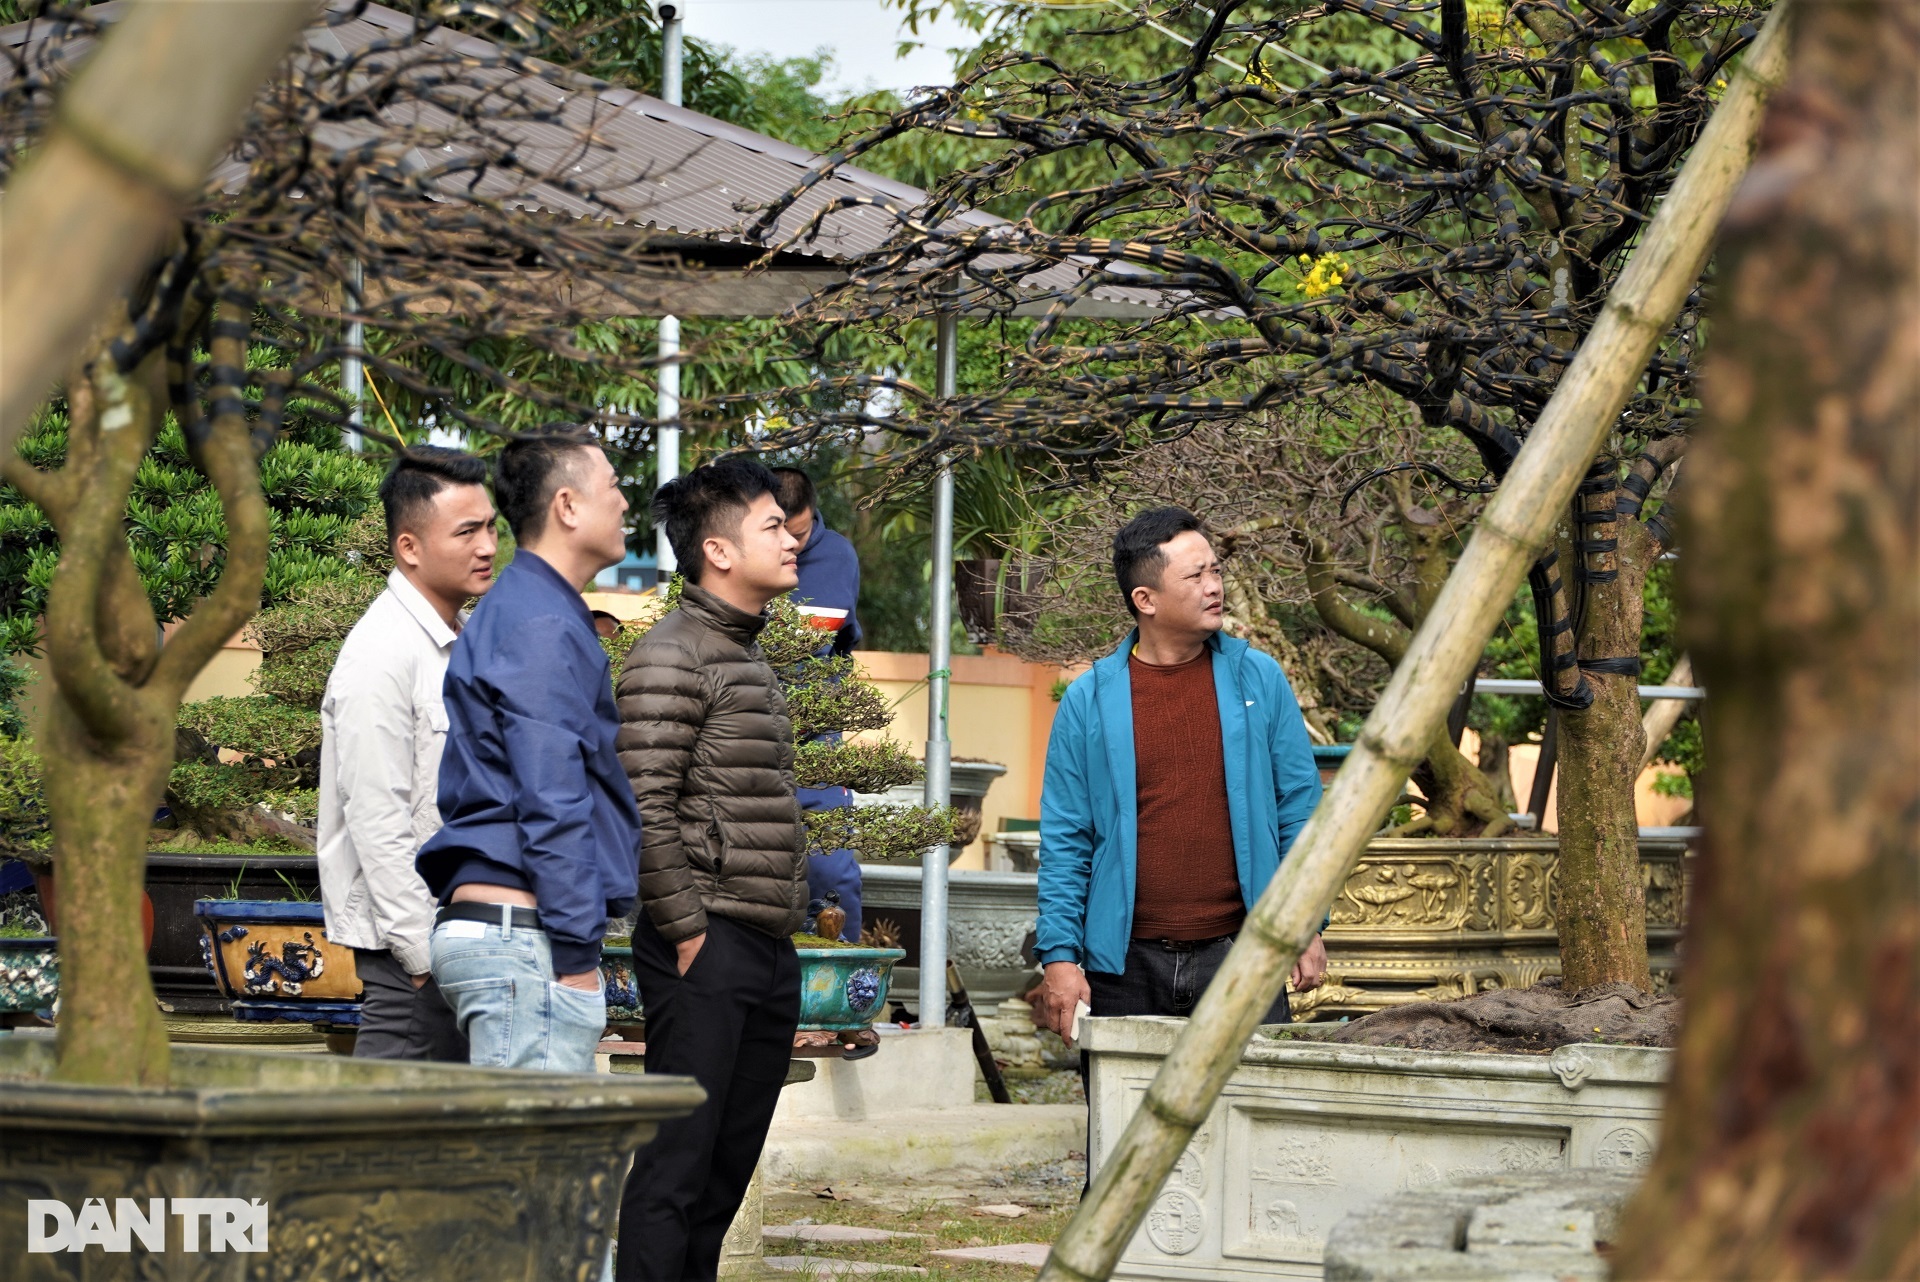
(383, 726)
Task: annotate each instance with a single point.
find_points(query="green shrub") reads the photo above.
(23, 808)
(258, 726)
(881, 834)
(863, 767)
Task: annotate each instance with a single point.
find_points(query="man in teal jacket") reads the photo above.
(1178, 773)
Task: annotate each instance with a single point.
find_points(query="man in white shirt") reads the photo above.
(383, 728)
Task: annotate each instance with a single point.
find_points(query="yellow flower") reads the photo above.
(1324, 275)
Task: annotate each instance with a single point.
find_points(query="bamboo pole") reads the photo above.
(132, 141)
(1517, 523)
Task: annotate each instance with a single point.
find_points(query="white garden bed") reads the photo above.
(1306, 1133)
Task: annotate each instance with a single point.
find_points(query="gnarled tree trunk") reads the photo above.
(1793, 1119)
(109, 739)
(1603, 904)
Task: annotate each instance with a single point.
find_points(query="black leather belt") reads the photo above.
(468, 910)
(1185, 945)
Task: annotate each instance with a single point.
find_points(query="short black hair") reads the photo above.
(419, 473)
(528, 472)
(1137, 558)
(794, 490)
(708, 501)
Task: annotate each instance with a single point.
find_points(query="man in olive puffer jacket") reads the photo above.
(706, 742)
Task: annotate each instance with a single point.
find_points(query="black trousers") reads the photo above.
(1166, 981)
(729, 1024)
(399, 1021)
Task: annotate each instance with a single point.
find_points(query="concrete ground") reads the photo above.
(954, 1147)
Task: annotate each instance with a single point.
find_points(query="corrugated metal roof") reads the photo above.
(653, 166)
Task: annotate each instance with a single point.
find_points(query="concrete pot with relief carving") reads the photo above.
(353, 1168)
(1430, 918)
(1307, 1131)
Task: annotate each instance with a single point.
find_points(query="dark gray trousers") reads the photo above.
(1166, 981)
(399, 1021)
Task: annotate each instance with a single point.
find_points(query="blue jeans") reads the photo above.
(514, 1012)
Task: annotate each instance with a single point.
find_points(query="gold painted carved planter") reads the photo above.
(1422, 919)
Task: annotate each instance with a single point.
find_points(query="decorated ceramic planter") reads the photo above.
(1429, 918)
(273, 961)
(176, 881)
(841, 989)
(622, 988)
(29, 975)
(356, 1168)
(844, 989)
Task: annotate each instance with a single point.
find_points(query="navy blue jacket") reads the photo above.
(531, 791)
(829, 578)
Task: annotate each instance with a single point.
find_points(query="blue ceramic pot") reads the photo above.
(29, 975)
(843, 989)
(623, 990)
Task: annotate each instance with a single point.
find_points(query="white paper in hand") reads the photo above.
(1080, 1012)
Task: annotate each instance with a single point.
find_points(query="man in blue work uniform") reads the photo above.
(829, 591)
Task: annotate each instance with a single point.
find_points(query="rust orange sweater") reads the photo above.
(1187, 886)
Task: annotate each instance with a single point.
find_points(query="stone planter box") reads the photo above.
(1423, 919)
(29, 975)
(968, 782)
(272, 960)
(1490, 1228)
(989, 916)
(408, 1172)
(1307, 1132)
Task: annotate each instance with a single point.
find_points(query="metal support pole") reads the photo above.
(666, 441)
(353, 374)
(933, 878)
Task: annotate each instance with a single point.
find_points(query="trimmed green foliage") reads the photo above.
(254, 725)
(827, 695)
(881, 834)
(863, 767)
(23, 808)
(317, 495)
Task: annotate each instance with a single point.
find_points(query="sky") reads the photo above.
(861, 33)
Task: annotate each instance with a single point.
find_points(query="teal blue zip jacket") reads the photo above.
(1088, 801)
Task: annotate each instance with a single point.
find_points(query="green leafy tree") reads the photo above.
(1439, 215)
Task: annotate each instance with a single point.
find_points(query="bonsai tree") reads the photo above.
(326, 553)
(830, 697)
(1431, 203)
(452, 284)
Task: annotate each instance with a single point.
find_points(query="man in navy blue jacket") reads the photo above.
(540, 832)
(830, 585)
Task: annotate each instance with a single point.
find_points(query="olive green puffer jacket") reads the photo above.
(705, 741)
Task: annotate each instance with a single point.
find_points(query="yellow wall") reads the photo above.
(1000, 709)
(229, 673)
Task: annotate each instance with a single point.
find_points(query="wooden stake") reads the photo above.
(1517, 524)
